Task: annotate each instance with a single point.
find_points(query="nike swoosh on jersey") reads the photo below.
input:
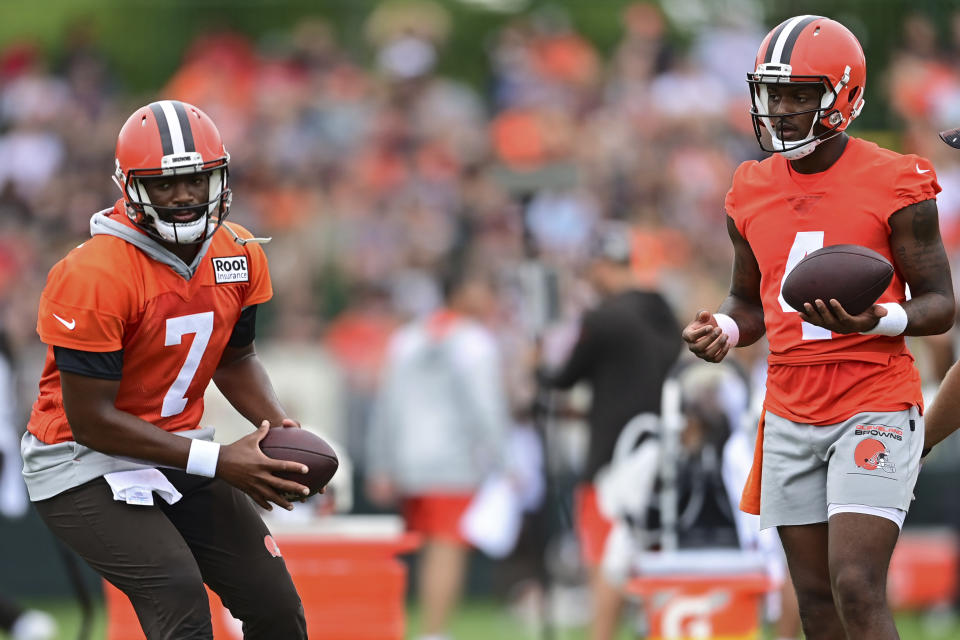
(919, 170)
(69, 325)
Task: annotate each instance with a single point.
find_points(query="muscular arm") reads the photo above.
(244, 382)
(743, 304)
(920, 258)
(919, 255)
(943, 415)
(704, 338)
(97, 423)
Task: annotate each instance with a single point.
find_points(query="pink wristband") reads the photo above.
(729, 327)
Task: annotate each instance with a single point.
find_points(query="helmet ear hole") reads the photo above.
(853, 94)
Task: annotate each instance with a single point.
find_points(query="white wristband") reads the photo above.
(202, 460)
(892, 324)
(729, 326)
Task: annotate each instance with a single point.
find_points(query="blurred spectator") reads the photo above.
(30, 104)
(20, 623)
(358, 340)
(368, 176)
(437, 431)
(626, 347)
(924, 84)
(220, 73)
(13, 494)
(710, 469)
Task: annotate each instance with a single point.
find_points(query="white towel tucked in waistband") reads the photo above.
(137, 486)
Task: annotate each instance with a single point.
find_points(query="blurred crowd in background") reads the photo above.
(368, 177)
(370, 174)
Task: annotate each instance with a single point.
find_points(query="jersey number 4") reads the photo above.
(805, 242)
(201, 325)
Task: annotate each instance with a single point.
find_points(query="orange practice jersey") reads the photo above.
(108, 295)
(784, 216)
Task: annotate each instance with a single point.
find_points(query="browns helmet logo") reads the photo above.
(871, 454)
(272, 547)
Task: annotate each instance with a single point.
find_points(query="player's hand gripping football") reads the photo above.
(705, 339)
(244, 465)
(832, 316)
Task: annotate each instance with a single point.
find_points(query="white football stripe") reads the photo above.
(173, 123)
(784, 36)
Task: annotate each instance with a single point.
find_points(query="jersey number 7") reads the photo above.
(200, 324)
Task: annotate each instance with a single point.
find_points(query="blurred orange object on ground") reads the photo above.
(702, 593)
(722, 607)
(923, 570)
(122, 623)
(351, 583)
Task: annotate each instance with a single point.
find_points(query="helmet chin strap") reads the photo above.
(801, 151)
(803, 147)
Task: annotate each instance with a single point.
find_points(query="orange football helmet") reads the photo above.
(810, 50)
(165, 138)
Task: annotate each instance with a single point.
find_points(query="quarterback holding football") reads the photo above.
(138, 320)
(831, 374)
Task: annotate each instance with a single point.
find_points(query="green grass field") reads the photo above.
(482, 620)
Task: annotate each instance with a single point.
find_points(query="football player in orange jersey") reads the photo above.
(835, 381)
(138, 320)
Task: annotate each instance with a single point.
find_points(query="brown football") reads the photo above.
(853, 275)
(299, 445)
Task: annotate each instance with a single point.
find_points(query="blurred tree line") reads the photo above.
(145, 39)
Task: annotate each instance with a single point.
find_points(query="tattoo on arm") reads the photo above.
(921, 259)
(744, 304)
(926, 227)
(920, 249)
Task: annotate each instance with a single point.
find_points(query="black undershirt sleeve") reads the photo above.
(245, 329)
(581, 359)
(106, 365)
(109, 365)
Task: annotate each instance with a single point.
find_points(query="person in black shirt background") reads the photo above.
(626, 348)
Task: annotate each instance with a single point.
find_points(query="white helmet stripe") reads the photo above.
(778, 46)
(173, 125)
(185, 129)
(166, 146)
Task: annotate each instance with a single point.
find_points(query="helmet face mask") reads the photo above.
(807, 51)
(872, 455)
(172, 138)
(884, 463)
(161, 221)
